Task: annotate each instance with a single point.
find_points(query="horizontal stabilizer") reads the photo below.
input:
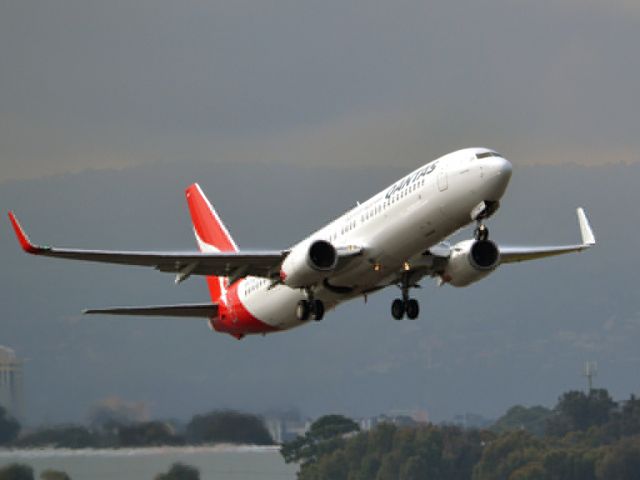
(197, 310)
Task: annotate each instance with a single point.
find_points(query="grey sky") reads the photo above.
(87, 84)
(125, 103)
(520, 336)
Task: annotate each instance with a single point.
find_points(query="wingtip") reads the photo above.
(588, 238)
(22, 237)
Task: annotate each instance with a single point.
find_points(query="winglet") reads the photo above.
(588, 238)
(25, 243)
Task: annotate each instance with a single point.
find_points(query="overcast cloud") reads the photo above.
(112, 84)
(288, 113)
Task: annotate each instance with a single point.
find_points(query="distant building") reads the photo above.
(11, 390)
(472, 420)
(399, 418)
(368, 423)
(283, 431)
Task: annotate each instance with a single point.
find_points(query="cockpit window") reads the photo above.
(487, 155)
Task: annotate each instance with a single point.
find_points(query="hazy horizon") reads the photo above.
(288, 113)
(496, 338)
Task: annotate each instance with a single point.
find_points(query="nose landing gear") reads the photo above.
(481, 233)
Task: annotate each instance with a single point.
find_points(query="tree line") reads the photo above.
(17, 471)
(219, 426)
(586, 436)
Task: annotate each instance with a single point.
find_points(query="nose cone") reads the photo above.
(497, 175)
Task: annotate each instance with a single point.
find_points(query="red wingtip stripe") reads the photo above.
(25, 243)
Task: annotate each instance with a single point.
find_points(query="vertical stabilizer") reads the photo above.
(211, 234)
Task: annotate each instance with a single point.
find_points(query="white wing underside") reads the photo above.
(224, 264)
(514, 254)
(261, 264)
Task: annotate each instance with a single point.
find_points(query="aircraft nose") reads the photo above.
(504, 168)
(498, 172)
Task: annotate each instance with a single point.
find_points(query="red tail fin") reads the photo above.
(211, 234)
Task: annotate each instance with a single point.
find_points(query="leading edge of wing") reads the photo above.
(260, 263)
(512, 254)
(193, 310)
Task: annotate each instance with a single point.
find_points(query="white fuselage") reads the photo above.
(394, 227)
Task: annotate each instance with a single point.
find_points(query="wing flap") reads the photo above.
(198, 310)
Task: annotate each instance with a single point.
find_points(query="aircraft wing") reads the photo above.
(184, 264)
(197, 310)
(512, 254)
(235, 265)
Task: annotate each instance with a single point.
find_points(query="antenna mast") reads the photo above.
(590, 371)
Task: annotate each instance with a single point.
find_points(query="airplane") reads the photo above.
(396, 238)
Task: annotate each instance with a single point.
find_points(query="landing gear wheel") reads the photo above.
(413, 308)
(397, 309)
(481, 233)
(303, 310)
(317, 310)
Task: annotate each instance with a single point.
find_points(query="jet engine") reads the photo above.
(308, 264)
(470, 261)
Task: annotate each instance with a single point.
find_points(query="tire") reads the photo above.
(317, 310)
(397, 309)
(413, 309)
(302, 310)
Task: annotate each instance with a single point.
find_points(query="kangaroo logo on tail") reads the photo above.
(212, 236)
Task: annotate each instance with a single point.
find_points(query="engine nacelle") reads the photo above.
(470, 261)
(309, 264)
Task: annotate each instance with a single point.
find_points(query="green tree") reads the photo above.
(368, 467)
(9, 427)
(569, 464)
(333, 466)
(54, 475)
(625, 421)
(530, 471)
(179, 471)
(390, 466)
(330, 426)
(320, 439)
(228, 426)
(415, 468)
(579, 411)
(506, 454)
(629, 417)
(532, 419)
(621, 462)
(147, 433)
(71, 436)
(16, 471)
(388, 452)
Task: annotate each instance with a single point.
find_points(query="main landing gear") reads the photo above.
(405, 305)
(310, 308)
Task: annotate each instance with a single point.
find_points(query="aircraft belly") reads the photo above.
(395, 241)
(420, 221)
